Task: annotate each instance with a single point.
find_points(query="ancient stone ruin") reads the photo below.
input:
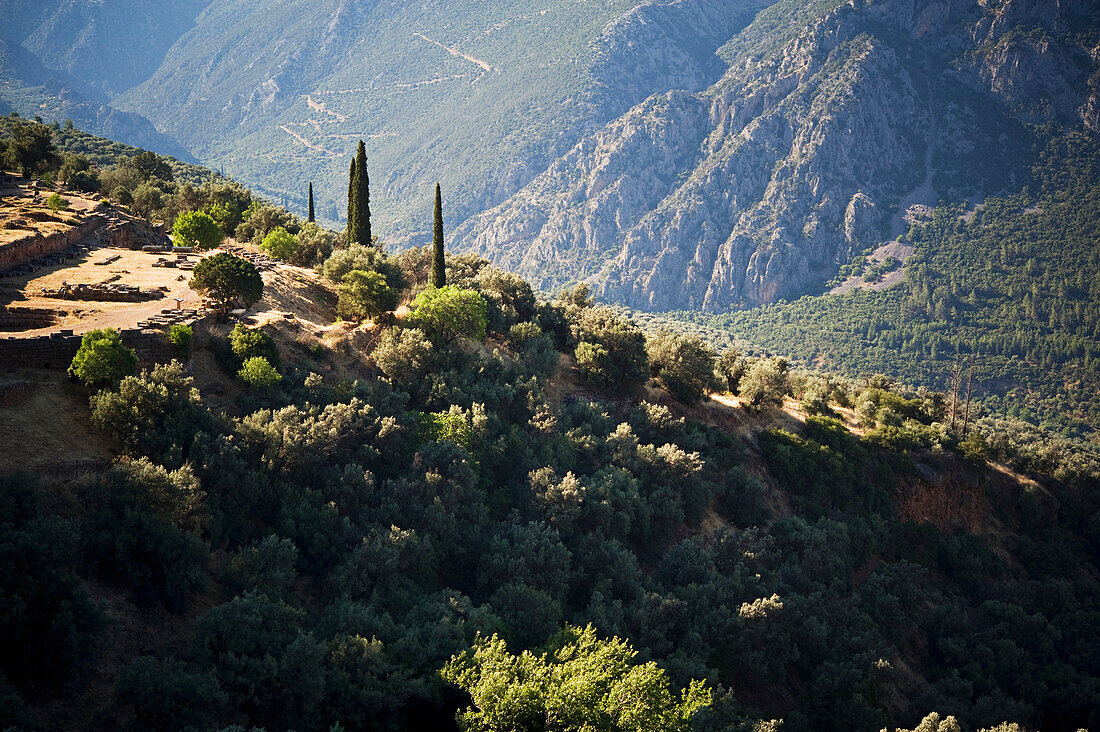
(104, 292)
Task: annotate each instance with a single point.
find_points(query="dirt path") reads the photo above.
(307, 143)
(455, 52)
(320, 107)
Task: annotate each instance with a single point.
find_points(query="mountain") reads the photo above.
(65, 59)
(831, 123)
(1007, 288)
(479, 96)
(28, 87)
(94, 41)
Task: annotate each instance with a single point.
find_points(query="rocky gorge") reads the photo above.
(828, 124)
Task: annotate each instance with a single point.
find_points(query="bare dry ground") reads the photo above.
(47, 429)
(102, 264)
(22, 215)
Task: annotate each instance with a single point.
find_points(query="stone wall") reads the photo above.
(130, 233)
(32, 247)
(56, 351)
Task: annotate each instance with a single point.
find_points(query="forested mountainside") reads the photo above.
(831, 122)
(480, 96)
(500, 511)
(1011, 286)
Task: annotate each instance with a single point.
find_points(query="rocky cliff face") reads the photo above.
(824, 127)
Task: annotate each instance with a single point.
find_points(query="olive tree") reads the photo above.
(102, 359)
(683, 365)
(227, 279)
(449, 312)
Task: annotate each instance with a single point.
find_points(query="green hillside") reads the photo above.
(1014, 287)
(502, 512)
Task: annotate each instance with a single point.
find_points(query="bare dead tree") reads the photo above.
(955, 381)
(969, 388)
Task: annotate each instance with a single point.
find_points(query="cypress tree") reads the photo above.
(361, 233)
(351, 201)
(439, 267)
(310, 217)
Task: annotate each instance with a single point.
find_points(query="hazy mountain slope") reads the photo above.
(28, 87)
(112, 45)
(830, 122)
(479, 96)
(62, 59)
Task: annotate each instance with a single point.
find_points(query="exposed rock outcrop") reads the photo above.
(818, 131)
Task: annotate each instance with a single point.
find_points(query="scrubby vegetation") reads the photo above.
(521, 513)
(1010, 287)
(464, 534)
(199, 206)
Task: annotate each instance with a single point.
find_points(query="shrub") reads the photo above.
(125, 541)
(315, 245)
(227, 279)
(262, 218)
(46, 616)
(683, 365)
(358, 256)
(365, 294)
(167, 694)
(197, 229)
(267, 567)
(57, 203)
(764, 384)
(610, 350)
(155, 414)
(403, 354)
(257, 372)
(594, 363)
(448, 312)
(180, 337)
(84, 180)
(534, 349)
(280, 244)
(249, 342)
(102, 359)
(585, 682)
(731, 368)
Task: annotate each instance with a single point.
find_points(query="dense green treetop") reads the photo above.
(227, 280)
(102, 359)
(197, 229)
(448, 312)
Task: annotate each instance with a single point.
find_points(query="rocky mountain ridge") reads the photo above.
(805, 152)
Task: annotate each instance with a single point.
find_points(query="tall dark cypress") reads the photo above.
(361, 232)
(351, 200)
(439, 266)
(310, 217)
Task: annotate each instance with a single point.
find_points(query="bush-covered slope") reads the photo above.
(387, 521)
(1013, 285)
